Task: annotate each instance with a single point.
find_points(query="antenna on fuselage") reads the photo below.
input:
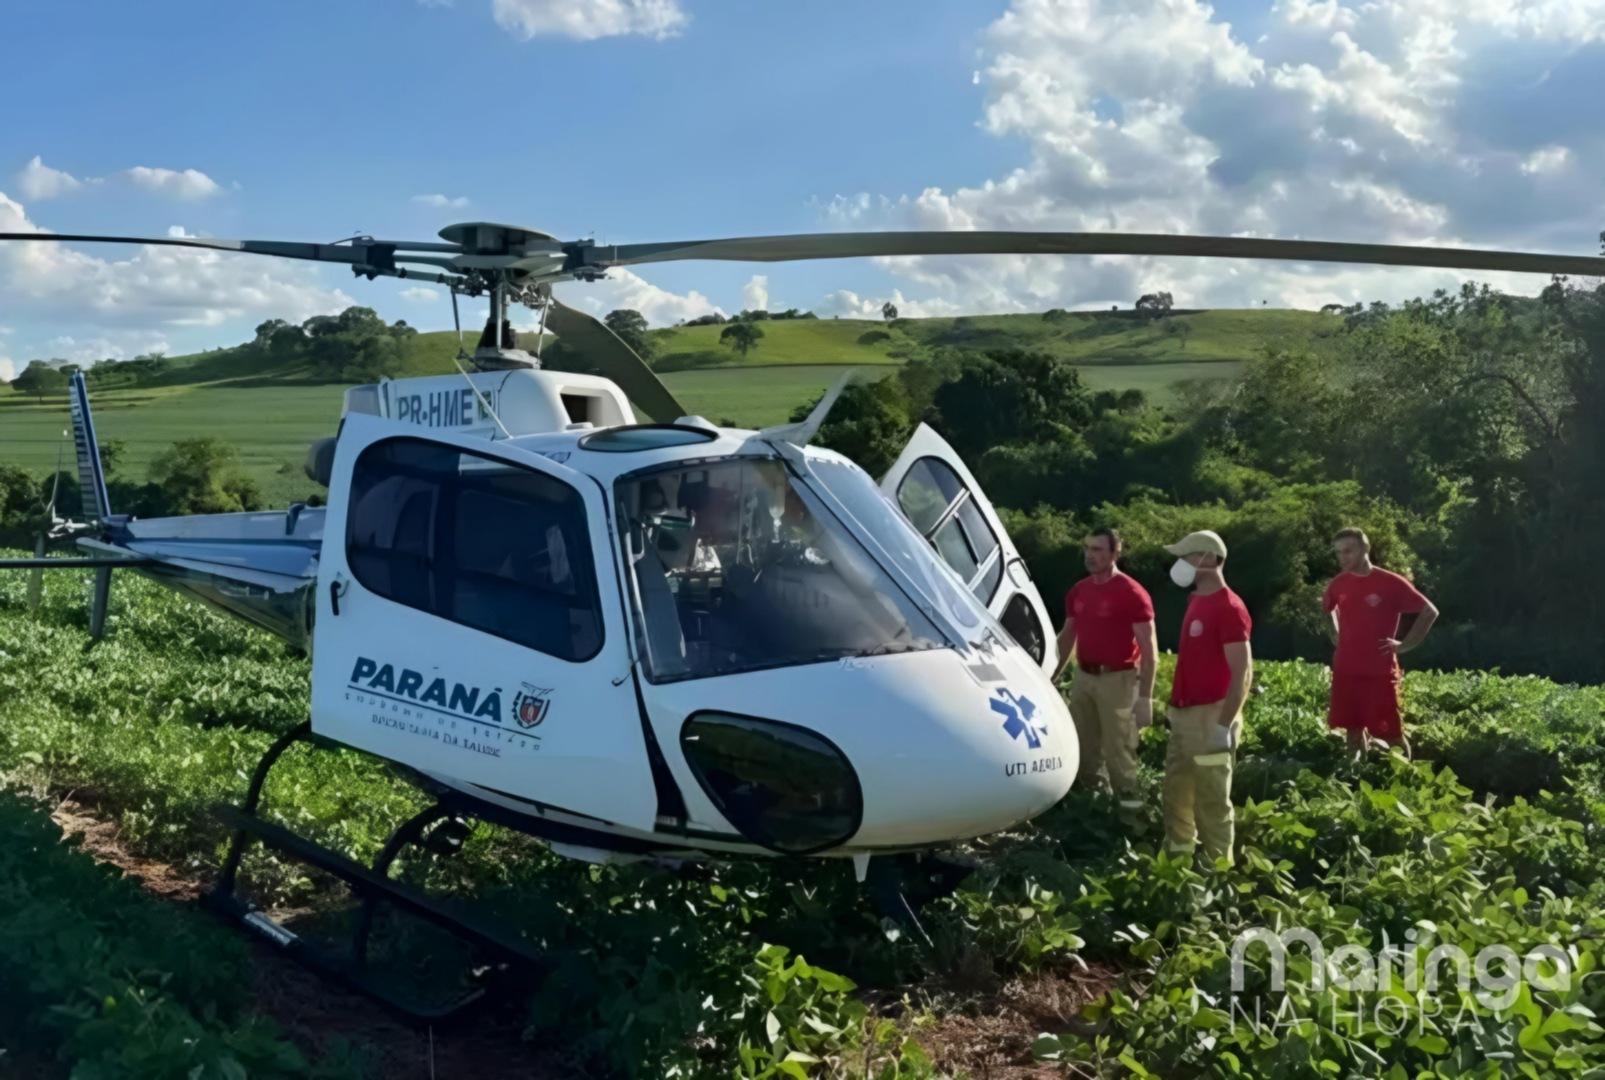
(802, 433)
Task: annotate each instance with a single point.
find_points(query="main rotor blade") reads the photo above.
(861, 244)
(614, 359)
(379, 254)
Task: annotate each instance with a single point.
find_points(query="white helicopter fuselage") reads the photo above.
(658, 640)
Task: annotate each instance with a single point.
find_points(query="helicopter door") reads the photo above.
(466, 627)
(932, 486)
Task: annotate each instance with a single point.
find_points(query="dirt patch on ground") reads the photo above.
(317, 1015)
(100, 840)
(989, 1038)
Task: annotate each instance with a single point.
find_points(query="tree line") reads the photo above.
(1460, 431)
(354, 346)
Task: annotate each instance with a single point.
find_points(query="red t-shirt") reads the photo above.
(1212, 622)
(1104, 615)
(1368, 610)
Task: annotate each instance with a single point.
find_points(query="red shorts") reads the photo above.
(1366, 703)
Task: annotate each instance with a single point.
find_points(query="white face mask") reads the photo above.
(1183, 573)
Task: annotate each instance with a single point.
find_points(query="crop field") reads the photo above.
(1075, 948)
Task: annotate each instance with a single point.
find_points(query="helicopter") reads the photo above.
(639, 635)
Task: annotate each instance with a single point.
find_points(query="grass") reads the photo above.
(272, 415)
(789, 341)
(271, 425)
(1116, 338)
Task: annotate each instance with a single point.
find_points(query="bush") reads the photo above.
(202, 476)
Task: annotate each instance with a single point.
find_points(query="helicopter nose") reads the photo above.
(993, 752)
(918, 749)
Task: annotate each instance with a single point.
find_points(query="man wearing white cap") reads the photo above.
(1214, 668)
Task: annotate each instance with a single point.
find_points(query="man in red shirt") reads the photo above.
(1363, 605)
(1109, 625)
(1214, 669)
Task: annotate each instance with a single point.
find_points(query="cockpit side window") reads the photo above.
(475, 540)
(941, 508)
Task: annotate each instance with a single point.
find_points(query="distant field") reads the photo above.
(1082, 338)
(759, 396)
(786, 341)
(754, 397)
(272, 414)
(270, 425)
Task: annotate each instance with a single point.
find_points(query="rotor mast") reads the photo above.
(498, 345)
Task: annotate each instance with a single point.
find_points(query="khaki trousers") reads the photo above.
(1198, 783)
(1101, 705)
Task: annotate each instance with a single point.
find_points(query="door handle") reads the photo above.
(337, 589)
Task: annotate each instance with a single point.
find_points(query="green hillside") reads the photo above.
(271, 413)
(1121, 337)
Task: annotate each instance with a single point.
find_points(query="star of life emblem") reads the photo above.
(1019, 717)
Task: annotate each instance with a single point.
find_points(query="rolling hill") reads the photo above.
(272, 413)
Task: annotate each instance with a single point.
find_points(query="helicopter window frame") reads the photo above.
(955, 526)
(630, 582)
(571, 517)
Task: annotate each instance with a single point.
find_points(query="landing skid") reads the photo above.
(901, 886)
(440, 827)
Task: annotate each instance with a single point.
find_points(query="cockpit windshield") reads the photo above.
(737, 567)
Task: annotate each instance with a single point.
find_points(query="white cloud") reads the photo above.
(1549, 159)
(8, 369)
(442, 201)
(755, 293)
(587, 20)
(846, 304)
(187, 184)
(161, 285)
(1321, 14)
(625, 289)
(38, 181)
(417, 294)
(122, 345)
(1407, 121)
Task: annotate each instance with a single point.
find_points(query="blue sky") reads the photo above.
(637, 120)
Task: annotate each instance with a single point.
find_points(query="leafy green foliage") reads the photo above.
(631, 327)
(775, 969)
(40, 378)
(1465, 410)
(202, 476)
(741, 335)
(114, 981)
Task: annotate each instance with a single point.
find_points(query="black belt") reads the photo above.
(1104, 669)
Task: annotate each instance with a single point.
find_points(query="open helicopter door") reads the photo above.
(934, 488)
(469, 623)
